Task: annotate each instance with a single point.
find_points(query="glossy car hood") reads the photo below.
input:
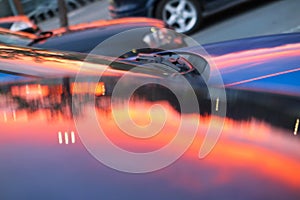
(128, 21)
(42, 155)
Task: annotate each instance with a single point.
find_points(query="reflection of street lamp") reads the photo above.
(64, 137)
(296, 127)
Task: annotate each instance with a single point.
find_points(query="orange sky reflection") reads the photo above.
(257, 55)
(244, 147)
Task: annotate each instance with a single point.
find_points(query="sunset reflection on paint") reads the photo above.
(257, 155)
(272, 70)
(249, 146)
(245, 146)
(257, 56)
(103, 23)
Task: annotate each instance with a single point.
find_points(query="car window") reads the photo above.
(7, 38)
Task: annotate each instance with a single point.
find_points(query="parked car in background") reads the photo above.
(185, 16)
(85, 37)
(19, 23)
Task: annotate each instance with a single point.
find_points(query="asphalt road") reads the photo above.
(251, 19)
(246, 20)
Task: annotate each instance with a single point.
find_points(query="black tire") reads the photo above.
(192, 23)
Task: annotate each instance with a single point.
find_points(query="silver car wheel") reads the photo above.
(180, 14)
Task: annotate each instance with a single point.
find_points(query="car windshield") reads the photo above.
(15, 39)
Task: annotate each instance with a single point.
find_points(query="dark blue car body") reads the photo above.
(43, 154)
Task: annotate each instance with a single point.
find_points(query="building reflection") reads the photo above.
(27, 98)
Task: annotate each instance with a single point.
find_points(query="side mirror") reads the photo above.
(197, 62)
(45, 34)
